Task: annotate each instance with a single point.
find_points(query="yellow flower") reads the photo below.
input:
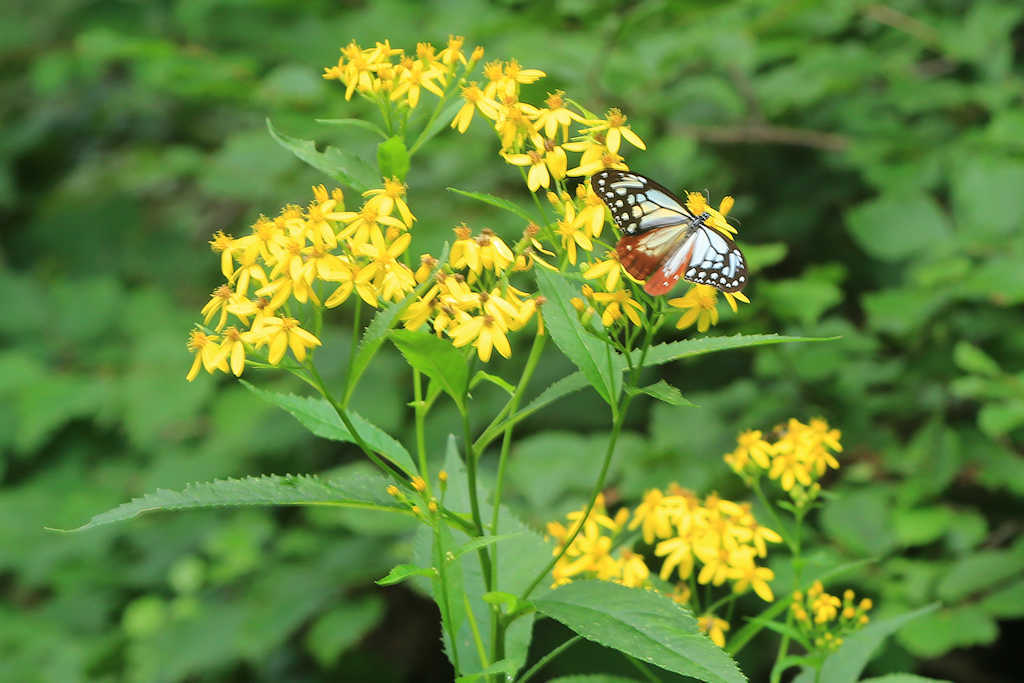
(556, 116)
(652, 516)
(514, 123)
(618, 304)
(610, 269)
(750, 447)
(475, 99)
(538, 176)
(319, 215)
(593, 211)
(634, 569)
(280, 334)
(208, 354)
(219, 300)
(494, 253)
(363, 226)
(746, 574)
(465, 252)
(390, 278)
(699, 304)
(678, 553)
(789, 469)
(569, 229)
(615, 129)
(453, 52)
(505, 79)
(390, 196)
(225, 245)
(485, 332)
(596, 157)
(233, 348)
(714, 627)
(414, 76)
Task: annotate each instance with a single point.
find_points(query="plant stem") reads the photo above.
(474, 502)
(420, 413)
(546, 659)
(497, 624)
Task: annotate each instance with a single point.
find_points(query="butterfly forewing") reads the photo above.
(662, 240)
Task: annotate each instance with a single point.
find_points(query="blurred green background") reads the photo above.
(877, 155)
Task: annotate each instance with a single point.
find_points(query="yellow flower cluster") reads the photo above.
(796, 454)
(471, 300)
(539, 139)
(316, 255)
(387, 73)
(825, 619)
(713, 541)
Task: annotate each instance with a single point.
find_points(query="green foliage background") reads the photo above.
(877, 155)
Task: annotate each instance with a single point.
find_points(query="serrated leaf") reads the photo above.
(401, 572)
(670, 351)
(643, 624)
(393, 158)
(320, 417)
(846, 664)
(665, 392)
(437, 359)
(499, 202)
(601, 366)
(355, 123)
(343, 166)
(355, 490)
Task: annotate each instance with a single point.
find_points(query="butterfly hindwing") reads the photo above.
(663, 241)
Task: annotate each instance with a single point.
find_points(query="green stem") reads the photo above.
(420, 412)
(357, 315)
(619, 414)
(474, 501)
(546, 659)
(497, 625)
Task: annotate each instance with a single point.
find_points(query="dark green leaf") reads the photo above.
(495, 201)
(437, 359)
(665, 392)
(846, 664)
(356, 123)
(601, 366)
(343, 166)
(664, 353)
(401, 572)
(357, 490)
(643, 624)
(319, 417)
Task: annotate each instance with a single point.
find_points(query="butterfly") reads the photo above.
(662, 240)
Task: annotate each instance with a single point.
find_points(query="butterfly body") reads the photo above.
(663, 241)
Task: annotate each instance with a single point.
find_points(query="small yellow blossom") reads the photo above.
(556, 116)
(219, 300)
(208, 354)
(615, 129)
(281, 334)
(485, 332)
(714, 627)
(700, 306)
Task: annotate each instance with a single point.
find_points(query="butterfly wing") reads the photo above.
(662, 240)
(704, 257)
(638, 204)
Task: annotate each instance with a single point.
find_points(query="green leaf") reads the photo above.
(643, 624)
(846, 664)
(802, 299)
(319, 417)
(401, 572)
(393, 158)
(665, 353)
(357, 490)
(965, 626)
(753, 626)
(591, 356)
(894, 227)
(998, 419)
(341, 628)
(665, 392)
(355, 123)
(495, 201)
(343, 166)
(437, 359)
(482, 376)
(981, 570)
(970, 358)
(1006, 603)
